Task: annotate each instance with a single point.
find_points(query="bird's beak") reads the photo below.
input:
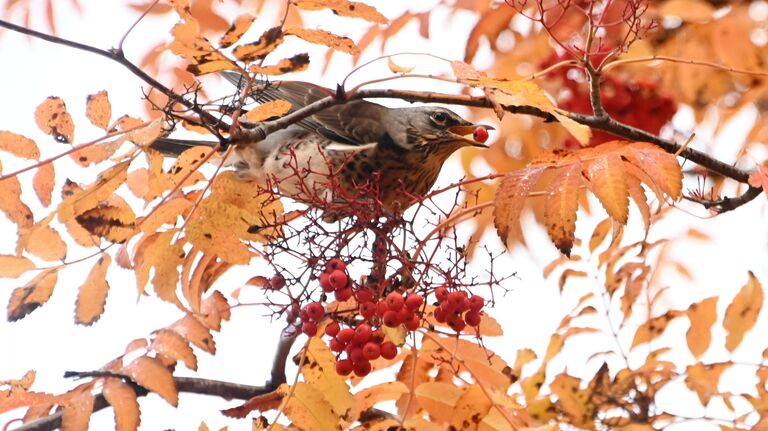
(463, 130)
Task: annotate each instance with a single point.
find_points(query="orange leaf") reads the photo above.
(344, 8)
(235, 31)
(52, 118)
(77, 410)
(164, 256)
(741, 314)
(438, 399)
(261, 403)
(14, 266)
(660, 166)
(606, 180)
(93, 154)
(319, 371)
(637, 193)
(173, 345)
(166, 213)
(122, 398)
(654, 327)
(151, 375)
(308, 409)
(11, 204)
(471, 408)
(322, 37)
(83, 199)
(395, 68)
(93, 293)
(27, 298)
(215, 308)
(509, 201)
(297, 63)
(267, 43)
(18, 145)
(98, 109)
(113, 223)
(45, 242)
(703, 379)
(195, 332)
(702, 315)
(271, 109)
(562, 200)
(490, 25)
(43, 183)
(369, 397)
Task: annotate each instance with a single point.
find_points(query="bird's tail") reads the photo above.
(173, 147)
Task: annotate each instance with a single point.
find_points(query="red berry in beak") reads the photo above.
(480, 134)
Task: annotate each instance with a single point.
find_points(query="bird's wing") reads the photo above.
(357, 122)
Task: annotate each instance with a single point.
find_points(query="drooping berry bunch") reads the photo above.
(458, 309)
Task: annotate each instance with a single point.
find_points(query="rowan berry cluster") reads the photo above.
(360, 339)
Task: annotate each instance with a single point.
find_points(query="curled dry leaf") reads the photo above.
(27, 298)
(114, 223)
(239, 26)
(43, 182)
(322, 37)
(93, 293)
(344, 8)
(52, 118)
(267, 43)
(151, 375)
(98, 109)
(173, 345)
(18, 145)
(395, 68)
(195, 332)
(297, 63)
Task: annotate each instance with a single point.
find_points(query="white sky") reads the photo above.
(49, 342)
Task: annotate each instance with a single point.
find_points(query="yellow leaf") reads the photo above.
(173, 345)
(654, 327)
(93, 293)
(344, 8)
(45, 242)
(122, 398)
(562, 200)
(195, 332)
(267, 43)
(43, 182)
(598, 235)
(164, 256)
(695, 11)
(412, 373)
(702, 316)
(91, 196)
(573, 400)
(11, 204)
(97, 153)
(27, 298)
(395, 68)
(438, 399)
(606, 180)
(510, 199)
(659, 165)
(369, 397)
(308, 409)
(18, 145)
(235, 31)
(637, 193)
(14, 266)
(470, 409)
(271, 109)
(297, 63)
(320, 372)
(741, 314)
(166, 213)
(322, 37)
(52, 118)
(144, 136)
(114, 223)
(150, 374)
(98, 109)
(703, 379)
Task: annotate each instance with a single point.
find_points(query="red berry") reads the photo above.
(371, 350)
(332, 329)
(325, 283)
(413, 301)
(404, 314)
(343, 294)
(335, 264)
(388, 350)
(441, 293)
(363, 333)
(440, 314)
(345, 335)
(455, 300)
(476, 302)
(367, 309)
(338, 279)
(364, 295)
(480, 134)
(309, 328)
(362, 368)
(456, 322)
(413, 323)
(472, 318)
(395, 301)
(277, 282)
(356, 355)
(336, 345)
(381, 308)
(344, 367)
(390, 319)
(315, 311)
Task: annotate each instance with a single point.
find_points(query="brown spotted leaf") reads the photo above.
(190, 44)
(702, 315)
(195, 332)
(18, 145)
(114, 223)
(271, 109)
(98, 109)
(322, 37)
(704, 378)
(297, 63)
(239, 26)
(153, 376)
(93, 293)
(344, 8)
(319, 371)
(27, 298)
(654, 327)
(52, 118)
(510, 199)
(97, 153)
(10, 202)
(83, 199)
(267, 43)
(562, 201)
(122, 398)
(741, 314)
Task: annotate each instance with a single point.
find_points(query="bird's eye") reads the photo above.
(439, 117)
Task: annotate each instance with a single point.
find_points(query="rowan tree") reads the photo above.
(630, 133)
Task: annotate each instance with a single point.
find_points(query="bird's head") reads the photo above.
(430, 128)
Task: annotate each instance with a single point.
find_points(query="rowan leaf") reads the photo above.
(97, 153)
(98, 109)
(195, 332)
(53, 119)
(14, 266)
(319, 371)
(266, 43)
(82, 199)
(606, 180)
(471, 408)
(93, 293)
(492, 22)
(191, 45)
(164, 255)
(35, 293)
(704, 378)
(573, 400)
(510, 199)
(44, 242)
(344, 8)
(18, 145)
(438, 399)
(153, 376)
(114, 223)
(562, 200)
(262, 403)
(741, 314)
(239, 26)
(395, 68)
(10, 202)
(322, 37)
(660, 166)
(637, 193)
(173, 345)
(76, 410)
(43, 182)
(367, 398)
(122, 398)
(297, 63)
(308, 409)
(166, 213)
(267, 110)
(702, 316)
(654, 327)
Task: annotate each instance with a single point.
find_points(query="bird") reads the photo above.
(332, 155)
